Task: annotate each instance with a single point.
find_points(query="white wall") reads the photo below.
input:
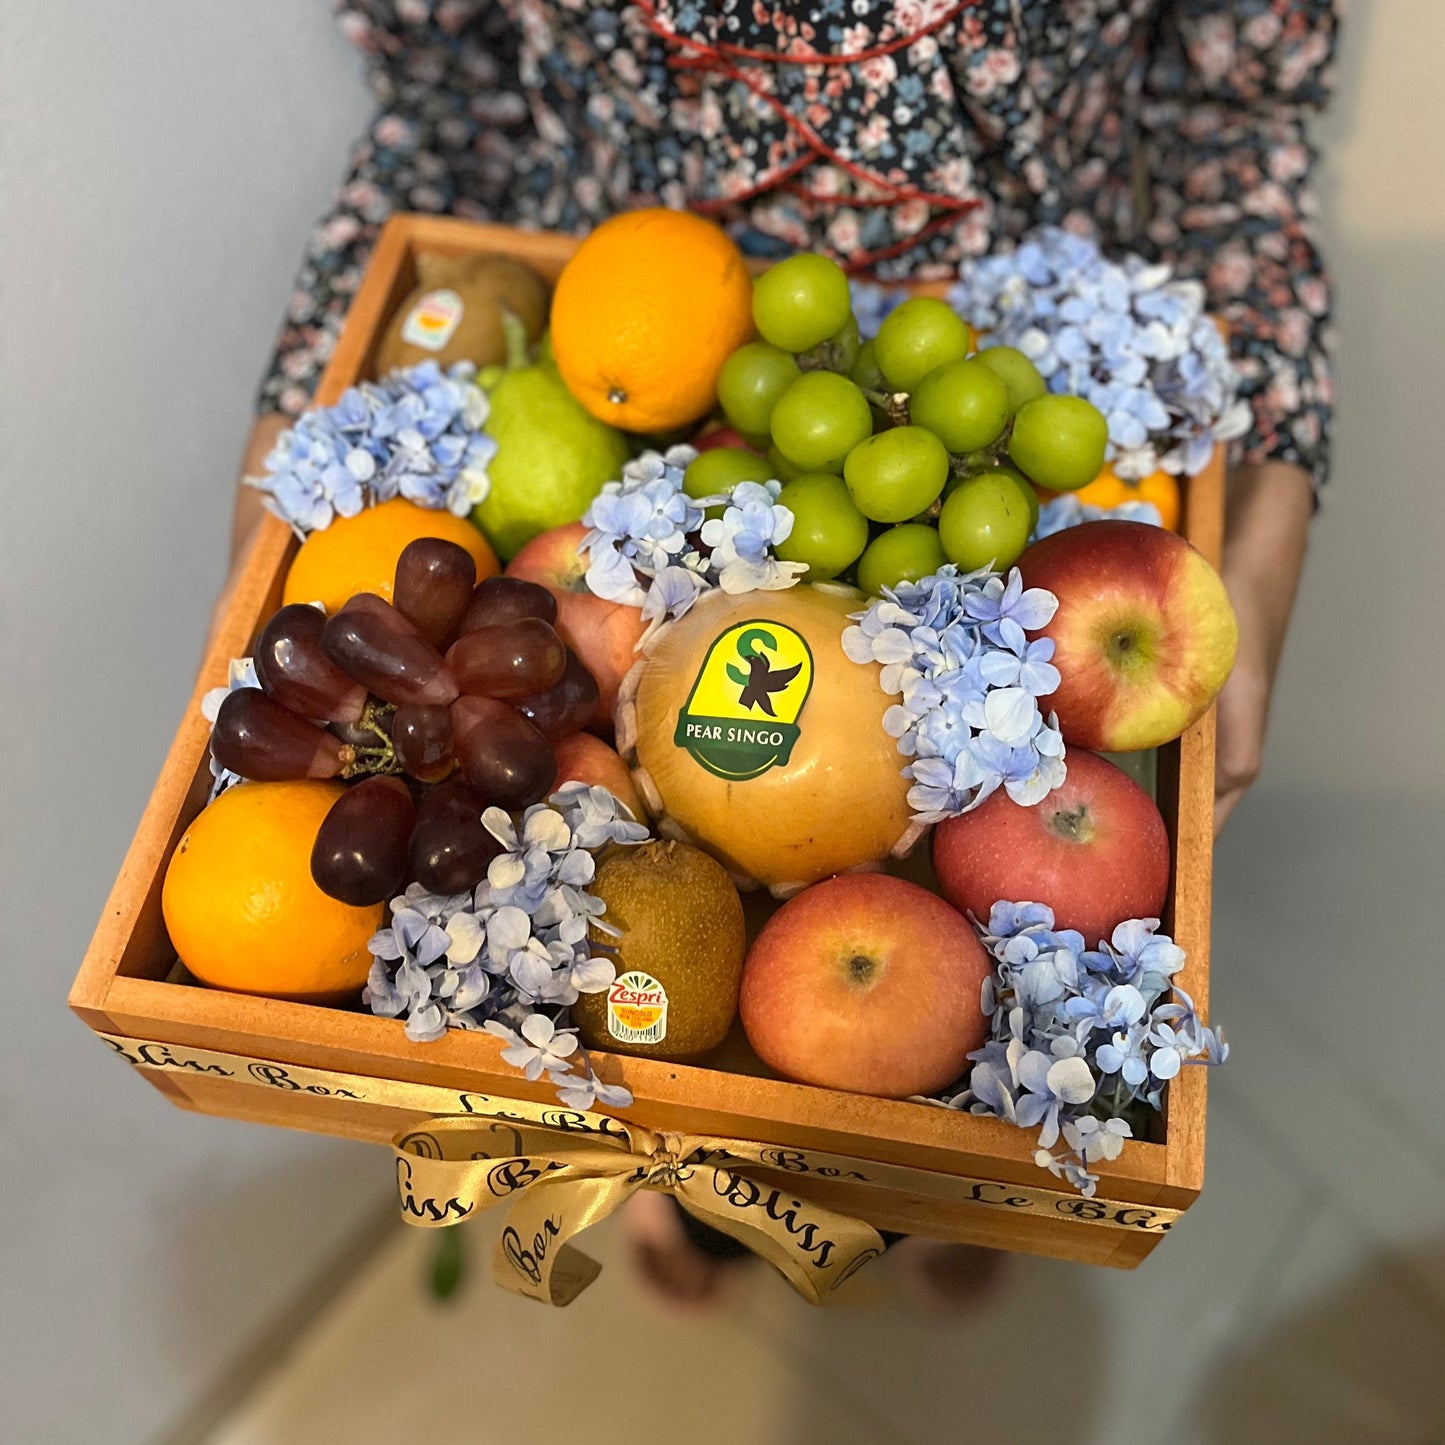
(160, 164)
(1362, 707)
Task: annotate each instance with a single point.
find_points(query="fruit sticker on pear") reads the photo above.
(741, 717)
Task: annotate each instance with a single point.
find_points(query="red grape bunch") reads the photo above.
(441, 704)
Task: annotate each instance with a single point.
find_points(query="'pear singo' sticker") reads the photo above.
(741, 717)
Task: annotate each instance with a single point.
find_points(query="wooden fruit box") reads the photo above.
(982, 1185)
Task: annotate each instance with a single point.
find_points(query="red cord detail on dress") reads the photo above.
(714, 62)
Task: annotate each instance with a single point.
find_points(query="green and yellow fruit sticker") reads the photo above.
(741, 717)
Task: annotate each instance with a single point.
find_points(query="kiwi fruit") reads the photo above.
(679, 957)
(460, 300)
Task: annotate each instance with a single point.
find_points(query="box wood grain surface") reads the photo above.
(125, 988)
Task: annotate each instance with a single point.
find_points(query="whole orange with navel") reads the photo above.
(644, 315)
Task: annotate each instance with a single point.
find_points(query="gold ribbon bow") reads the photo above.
(557, 1182)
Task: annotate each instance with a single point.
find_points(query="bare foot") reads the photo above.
(939, 1278)
(671, 1266)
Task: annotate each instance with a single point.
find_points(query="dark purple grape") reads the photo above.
(434, 581)
(372, 602)
(360, 853)
(295, 671)
(500, 600)
(518, 659)
(450, 849)
(422, 737)
(258, 738)
(507, 760)
(567, 706)
(377, 646)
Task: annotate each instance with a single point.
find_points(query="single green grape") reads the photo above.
(780, 467)
(865, 370)
(1017, 373)
(750, 383)
(986, 521)
(1027, 488)
(901, 554)
(963, 403)
(720, 469)
(829, 532)
(897, 474)
(917, 336)
(1059, 442)
(820, 419)
(799, 303)
(1029, 491)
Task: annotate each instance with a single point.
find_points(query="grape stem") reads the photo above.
(986, 459)
(893, 405)
(382, 759)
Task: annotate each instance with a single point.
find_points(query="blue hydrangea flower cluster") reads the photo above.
(511, 955)
(1066, 510)
(872, 304)
(652, 546)
(955, 650)
(1125, 334)
(1080, 1037)
(418, 434)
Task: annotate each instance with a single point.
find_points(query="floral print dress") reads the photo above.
(901, 138)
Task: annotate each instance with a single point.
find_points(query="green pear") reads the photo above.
(552, 457)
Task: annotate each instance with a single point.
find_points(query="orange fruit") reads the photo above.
(242, 909)
(359, 554)
(644, 315)
(1109, 491)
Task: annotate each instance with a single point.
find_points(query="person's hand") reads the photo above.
(1267, 514)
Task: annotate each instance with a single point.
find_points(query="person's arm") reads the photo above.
(1266, 524)
(1231, 86)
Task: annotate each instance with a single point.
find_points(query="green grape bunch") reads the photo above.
(903, 451)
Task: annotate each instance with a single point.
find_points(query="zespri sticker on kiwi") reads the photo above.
(741, 717)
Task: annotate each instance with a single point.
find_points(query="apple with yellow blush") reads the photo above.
(1144, 636)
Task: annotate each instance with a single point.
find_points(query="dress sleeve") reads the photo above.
(1230, 87)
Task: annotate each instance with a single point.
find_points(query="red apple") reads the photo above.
(603, 634)
(1095, 850)
(713, 437)
(1144, 636)
(583, 758)
(866, 983)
